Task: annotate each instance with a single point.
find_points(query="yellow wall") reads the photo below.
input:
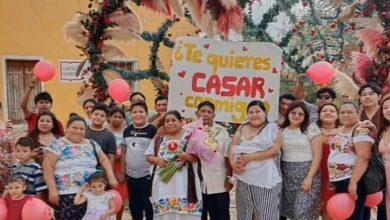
(34, 28)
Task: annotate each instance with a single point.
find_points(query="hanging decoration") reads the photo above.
(158, 77)
(106, 20)
(371, 64)
(113, 20)
(211, 16)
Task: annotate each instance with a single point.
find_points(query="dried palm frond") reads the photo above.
(372, 40)
(157, 82)
(111, 52)
(110, 75)
(122, 35)
(75, 31)
(195, 9)
(365, 22)
(348, 12)
(126, 21)
(360, 64)
(208, 24)
(345, 85)
(176, 6)
(228, 4)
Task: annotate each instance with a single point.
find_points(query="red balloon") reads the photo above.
(35, 209)
(119, 90)
(340, 206)
(3, 210)
(117, 199)
(44, 71)
(321, 73)
(374, 199)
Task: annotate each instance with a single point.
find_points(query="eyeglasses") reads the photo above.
(300, 114)
(324, 97)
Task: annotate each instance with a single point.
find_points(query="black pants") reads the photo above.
(216, 205)
(361, 212)
(382, 210)
(139, 189)
(66, 209)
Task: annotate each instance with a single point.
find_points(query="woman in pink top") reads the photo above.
(384, 143)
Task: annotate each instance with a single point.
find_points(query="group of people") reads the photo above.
(282, 169)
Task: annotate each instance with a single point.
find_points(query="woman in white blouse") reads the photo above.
(252, 157)
(301, 158)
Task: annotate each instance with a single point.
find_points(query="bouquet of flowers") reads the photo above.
(202, 143)
(167, 172)
(173, 165)
(198, 143)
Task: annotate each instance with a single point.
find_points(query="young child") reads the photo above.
(99, 133)
(137, 138)
(27, 168)
(134, 97)
(100, 204)
(87, 107)
(116, 125)
(43, 101)
(15, 198)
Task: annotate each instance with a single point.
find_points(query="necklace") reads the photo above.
(137, 130)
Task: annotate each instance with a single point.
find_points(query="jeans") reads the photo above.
(216, 205)
(361, 212)
(139, 203)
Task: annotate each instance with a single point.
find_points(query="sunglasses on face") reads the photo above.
(324, 97)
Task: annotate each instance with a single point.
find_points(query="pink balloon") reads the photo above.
(44, 71)
(374, 199)
(117, 199)
(321, 73)
(35, 209)
(340, 206)
(119, 90)
(3, 210)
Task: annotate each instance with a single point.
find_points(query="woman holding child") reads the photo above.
(67, 165)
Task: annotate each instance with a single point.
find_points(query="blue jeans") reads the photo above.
(361, 212)
(139, 191)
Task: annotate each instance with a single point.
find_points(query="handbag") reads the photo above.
(374, 179)
(98, 165)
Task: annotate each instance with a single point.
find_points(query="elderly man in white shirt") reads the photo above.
(215, 184)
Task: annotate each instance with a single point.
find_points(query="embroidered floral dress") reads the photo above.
(5, 155)
(342, 156)
(170, 200)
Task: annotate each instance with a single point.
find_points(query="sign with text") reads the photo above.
(229, 74)
(69, 70)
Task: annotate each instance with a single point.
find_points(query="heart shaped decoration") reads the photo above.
(244, 48)
(270, 90)
(207, 46)
(274, 70)
(182, 74)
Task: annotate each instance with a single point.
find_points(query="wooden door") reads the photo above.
(18, 74)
